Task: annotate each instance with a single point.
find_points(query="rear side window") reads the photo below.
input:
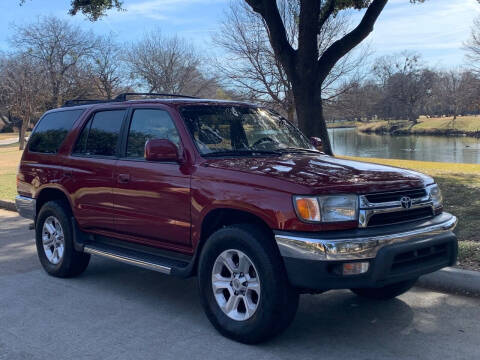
(52, 130)
(149, 124)
(100, 135)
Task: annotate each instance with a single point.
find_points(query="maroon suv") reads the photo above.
(233, 193)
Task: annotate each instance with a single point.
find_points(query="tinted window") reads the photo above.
(52, 130)
(100, 135)
(149, 124)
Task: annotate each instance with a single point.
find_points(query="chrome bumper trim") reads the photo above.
(354, 248)
(26, 207)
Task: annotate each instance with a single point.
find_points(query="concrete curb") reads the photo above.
(452, 280)
(8, 205)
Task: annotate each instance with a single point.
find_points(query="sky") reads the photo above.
(436, 29)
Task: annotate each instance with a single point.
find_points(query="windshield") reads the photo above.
(223, 130)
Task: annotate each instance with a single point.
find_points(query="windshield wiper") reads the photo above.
(245, 152)
(295, 149)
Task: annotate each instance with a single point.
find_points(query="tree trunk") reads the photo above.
(21, 136)
(310, 117)
(291, 114)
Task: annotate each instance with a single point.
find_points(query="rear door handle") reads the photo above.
(123, 178)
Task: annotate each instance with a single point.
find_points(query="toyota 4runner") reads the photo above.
(232, 193)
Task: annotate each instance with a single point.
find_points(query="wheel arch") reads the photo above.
(217, 218)
(50, 194)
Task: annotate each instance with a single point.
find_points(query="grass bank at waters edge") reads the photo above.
(460, 184)
(446, 126)
(343, 124)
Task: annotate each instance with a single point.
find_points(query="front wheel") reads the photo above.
(386, 292)
(244, 288)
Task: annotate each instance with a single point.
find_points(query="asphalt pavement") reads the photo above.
(115, 311)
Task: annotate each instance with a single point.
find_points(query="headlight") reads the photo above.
(436, 196)
(327, 208)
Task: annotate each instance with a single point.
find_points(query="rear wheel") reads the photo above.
(386, 292)
(244, 288)
(54, 240)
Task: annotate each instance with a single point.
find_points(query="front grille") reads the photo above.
(429, 255)
(396, 196)
(400, 216)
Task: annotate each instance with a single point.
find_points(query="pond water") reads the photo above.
(351, 142)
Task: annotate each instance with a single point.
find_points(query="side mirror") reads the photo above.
(317, 143)
(161, 150)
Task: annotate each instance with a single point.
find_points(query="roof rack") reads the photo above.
(75, 102)
(123, 97)
(119, 98)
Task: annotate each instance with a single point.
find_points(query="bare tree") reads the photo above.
(251, 63)
(61, 51)
(455, 92)
(301, 62)
(472, 46)
(406, 84)
(106, 67)
(167, 64)
(21, 89)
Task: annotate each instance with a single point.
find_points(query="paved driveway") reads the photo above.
(114, 311)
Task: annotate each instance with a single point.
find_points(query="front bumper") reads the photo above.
(395, 253)
(26, 207)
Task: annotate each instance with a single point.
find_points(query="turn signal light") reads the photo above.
(355, 268)
(307, 208)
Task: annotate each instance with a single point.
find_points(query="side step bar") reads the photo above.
(130, 257)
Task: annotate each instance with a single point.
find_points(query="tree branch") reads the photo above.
(276, 31)
(342, 46)
(325, 13)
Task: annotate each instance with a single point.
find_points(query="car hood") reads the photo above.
(321, 173)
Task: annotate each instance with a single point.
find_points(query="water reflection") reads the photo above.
(425, 148)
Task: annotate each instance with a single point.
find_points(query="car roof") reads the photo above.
(172, 102)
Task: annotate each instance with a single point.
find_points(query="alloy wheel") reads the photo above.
(236, 284)
(53, 240)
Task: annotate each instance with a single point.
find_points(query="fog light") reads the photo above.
(355, 268)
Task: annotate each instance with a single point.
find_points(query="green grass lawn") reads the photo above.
(9, 159)
(462, 123)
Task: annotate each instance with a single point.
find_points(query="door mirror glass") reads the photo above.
(317, 143)
(161, 150)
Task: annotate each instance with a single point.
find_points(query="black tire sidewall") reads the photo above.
(271, 276)
(57, 210)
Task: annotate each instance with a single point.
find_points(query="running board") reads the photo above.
(139, 259)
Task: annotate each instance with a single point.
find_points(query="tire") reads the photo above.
(387, 292)
(276, 303)
(54, 219)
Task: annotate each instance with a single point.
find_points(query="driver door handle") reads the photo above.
(123, 178)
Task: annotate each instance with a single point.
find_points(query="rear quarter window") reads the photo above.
(52, 130)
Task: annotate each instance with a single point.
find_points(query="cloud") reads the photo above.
(439, 24)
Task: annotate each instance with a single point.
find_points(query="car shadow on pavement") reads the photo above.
(327, 317)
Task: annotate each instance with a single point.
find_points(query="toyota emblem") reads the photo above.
(406, 202)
